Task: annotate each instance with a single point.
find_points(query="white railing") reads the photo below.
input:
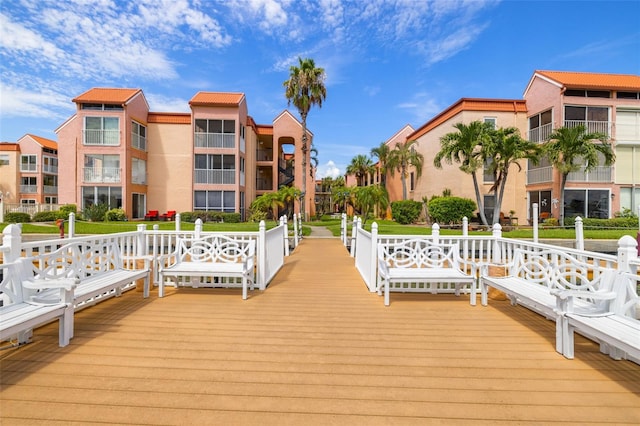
(540, 134)
(101, 137)
(50, 189)
(28, 189)
(101, 174)
(215, 140)
(597, 174)
(366, 258)
(216, 177)
(47, 168)
(138, 142)
(274, 245)
(540, 174)
(591, 126)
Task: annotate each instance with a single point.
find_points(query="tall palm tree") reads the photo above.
(464, 147)
(571, 148)
(504, 147)
(361, 166)
(304, 89)
(313, 159)
(382, 154)
(401, 158)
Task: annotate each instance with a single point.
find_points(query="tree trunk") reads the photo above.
(483, 218)
(563, 182)
(304, 167)
(499, 196)
(404, 184)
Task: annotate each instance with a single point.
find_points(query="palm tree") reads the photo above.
(305, 88)
(382, 154)
(288, 195)
(504, 148)
(401, 158)
(463, 147)
(360, 167)
(313, 159)
(367, 198)
(268, 202)
(571, 148)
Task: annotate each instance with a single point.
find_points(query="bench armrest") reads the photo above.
(565, 300)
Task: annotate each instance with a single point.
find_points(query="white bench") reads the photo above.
(20, 313)
(534, 275)
(210, 261)
(420, 265)
(617, 329)
(97, 266)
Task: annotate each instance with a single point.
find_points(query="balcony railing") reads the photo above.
(597, 174)
(540, 134)
(539, 175)
(591, 126)
(28, 189)
(102, 137)
(264, 155)
(215, 177)
(101, 174)
(50, 189)
(215, 140)
(264, 184)
(138, 142)
(46, 168)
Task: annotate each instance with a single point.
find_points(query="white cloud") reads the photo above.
(161, 103)
(39, 102)
(422, 107)
(329, 169)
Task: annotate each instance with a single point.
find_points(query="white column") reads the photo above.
(198, 228)
(535, 222)
(579, 233)
(435, 233)
(72, 225)
(262, 253)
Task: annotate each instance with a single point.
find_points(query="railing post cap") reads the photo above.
(627, 241)
(435, 226)
(374, 225)
(497, 227)
(578, 219)
(11, 229)
(198, 221)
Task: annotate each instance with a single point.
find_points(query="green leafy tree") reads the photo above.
(367, 198)
(288, 195)
(464, 147)
(571, 148)
(361, 166)
(401, 158)
(304, 89)
(268, 202)
(381, 152)
(503, 148)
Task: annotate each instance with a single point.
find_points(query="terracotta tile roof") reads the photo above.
(107, 95)
(470, 104)
(9, 146)
(584, 80)
(44, 142)
(263, 129)
(169, 118)
(216, 98)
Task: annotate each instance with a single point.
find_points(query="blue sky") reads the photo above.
(388, 63)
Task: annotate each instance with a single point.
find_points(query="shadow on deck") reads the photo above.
(314, 348)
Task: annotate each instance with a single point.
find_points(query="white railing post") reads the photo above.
(198, 228)
(141, 247)
(579, 233)
(497, 234)
(435, 233)
(627, 251)
(357, 222)
(262, 253)
(535, 222)
(72, 225)
(343, 229)
(295, 230)
(374, 255)
(1, 208)
(283, 222)
(178, 221)
(465, 226)
(11, 238)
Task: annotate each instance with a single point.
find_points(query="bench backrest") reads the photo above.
(559, 270)
(215, 248)
(419, 253)
(627, 301)
(10, 288)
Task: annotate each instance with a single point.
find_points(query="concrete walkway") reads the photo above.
(320, 232)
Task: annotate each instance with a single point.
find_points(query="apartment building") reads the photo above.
(115, 151)
(605, 103)
(498, 112)
(29, 171)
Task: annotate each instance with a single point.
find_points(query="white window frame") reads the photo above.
(32, 166)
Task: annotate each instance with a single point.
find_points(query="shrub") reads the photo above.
(46, 216)
(258, 215)
(616, 222)
(66, 209)
(17, 217)
(231, 217)
(116, 215)
(406, 211)
(448, 210)
(96, 212)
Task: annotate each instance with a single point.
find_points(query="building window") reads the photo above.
(100, 168)
(412, 181)
(215, 169)
(50, 184)
(138, 136)
(487, 173)
(628, 95)
(584, 93)
(4, 160)
(630, 199)
(138, 205)
(138, 171)
(28, 185)
(586, 203)
(28, 201)
(595, 119)
(28, 163)
(50, 200)
(540, 126)
(492, 121)
(543, 200)
(111, 196)
(215, 133)
(102, 131)
(222, 201)
(102, 107)
(49, 164)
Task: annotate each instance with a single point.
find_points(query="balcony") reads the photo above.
(597, 174)
(138, 142)
(28, 189)
(540, 134)
(102, 137)
(591, 126)
(215, 140)
(101, 175)
(215, 177)
(50, 189)
(539, 175)
(264, 184)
